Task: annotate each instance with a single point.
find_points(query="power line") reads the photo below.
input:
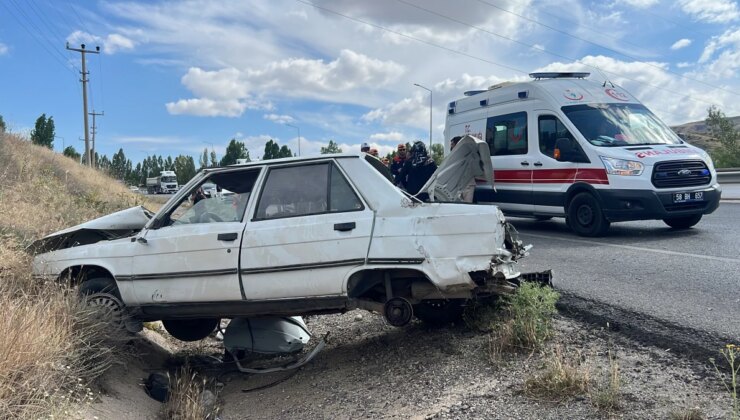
(452, 50)
(462, 53)
(541, 49)
(37, 39)
(71, 6)
(602, 46)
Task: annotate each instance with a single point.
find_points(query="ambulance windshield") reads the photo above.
(611, 125)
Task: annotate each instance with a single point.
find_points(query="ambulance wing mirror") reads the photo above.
(567, 151)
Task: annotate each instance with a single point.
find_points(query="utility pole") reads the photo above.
(84, 81)
(94, 131)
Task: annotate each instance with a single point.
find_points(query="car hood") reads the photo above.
(654, 153)
(113, 226)
(470, 159)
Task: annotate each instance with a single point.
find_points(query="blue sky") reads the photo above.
(174, 77)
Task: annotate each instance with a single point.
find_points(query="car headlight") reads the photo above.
(622, 167)
(708, 159)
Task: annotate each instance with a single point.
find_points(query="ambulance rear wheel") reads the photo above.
(684, 222)
(585, 216)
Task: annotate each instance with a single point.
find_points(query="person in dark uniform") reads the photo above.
(398, 161)
(417, 170)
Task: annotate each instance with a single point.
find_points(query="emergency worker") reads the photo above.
(398, 161)
(417, 170)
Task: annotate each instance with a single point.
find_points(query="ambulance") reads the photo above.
(566, 146)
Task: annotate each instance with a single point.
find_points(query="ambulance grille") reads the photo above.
(681, 173)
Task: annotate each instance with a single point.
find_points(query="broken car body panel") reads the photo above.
(268, 249)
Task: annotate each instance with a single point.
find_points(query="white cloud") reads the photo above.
(684, 65)
(640, 4)
(205, 107)
(224, 92)
(681, 43)
(713, 11)
(147, 139)
(279, 119)
(111, 44)
(393, 136)
(3, 48)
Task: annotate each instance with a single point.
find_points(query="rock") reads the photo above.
(208, 400)
(358, 317)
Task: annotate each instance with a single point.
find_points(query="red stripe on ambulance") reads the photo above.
(551, 176)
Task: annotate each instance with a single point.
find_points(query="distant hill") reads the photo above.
(697, 133)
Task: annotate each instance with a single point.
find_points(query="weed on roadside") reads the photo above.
(189, 398)
(731, 354)
(565, 376)
(686, 414)
(608, 397)
(531, 310)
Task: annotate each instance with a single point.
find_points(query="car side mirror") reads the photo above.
(567, 151)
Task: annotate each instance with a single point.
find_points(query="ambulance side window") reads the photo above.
(507, 134)
(550, 130)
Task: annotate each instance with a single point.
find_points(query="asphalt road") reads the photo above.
(689, 278)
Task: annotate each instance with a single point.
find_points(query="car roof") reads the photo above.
(271, 162)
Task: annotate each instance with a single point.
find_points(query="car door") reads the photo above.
(551, 177)
(193, 254)
(308, 231)
(508, 139)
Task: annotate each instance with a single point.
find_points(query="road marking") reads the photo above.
(635, 248)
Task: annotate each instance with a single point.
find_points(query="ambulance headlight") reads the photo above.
(708, 159)
(622, 167)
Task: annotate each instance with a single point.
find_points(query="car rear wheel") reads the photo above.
(439, 311)
(190, 329)
(585, 216)
(684, 222)
(102, 294)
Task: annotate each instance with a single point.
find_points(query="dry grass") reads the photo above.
(686, 414)
(51, 347)
(565, 376)
(608, 397)
(186, 398)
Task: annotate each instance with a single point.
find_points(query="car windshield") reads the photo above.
(611, 125)
(169, 179)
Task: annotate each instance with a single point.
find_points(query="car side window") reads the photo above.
(507, 134)
(550, 130)
(341, 196)
(304, 190)
(221, 198)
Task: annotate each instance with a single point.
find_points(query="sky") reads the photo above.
(175, 77)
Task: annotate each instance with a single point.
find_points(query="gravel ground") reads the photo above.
(372, 370)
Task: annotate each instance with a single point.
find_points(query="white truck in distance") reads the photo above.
(165, 183)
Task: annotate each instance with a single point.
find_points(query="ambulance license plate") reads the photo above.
(688, 197)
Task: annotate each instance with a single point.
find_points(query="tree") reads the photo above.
(235, 150)
(727, 155)
(214, 160)
(2, 125)
(438, 153)
(274, 151)
(118, 165)
(70, 152)
(331, 148)
(285, 152)
(203, 160)
(43, 132)
(184, 168)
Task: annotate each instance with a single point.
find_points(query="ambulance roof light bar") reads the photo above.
(559, 75)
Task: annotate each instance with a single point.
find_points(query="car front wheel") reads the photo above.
(101, 293)
(190, 329)
(585, 216)
(684, 222)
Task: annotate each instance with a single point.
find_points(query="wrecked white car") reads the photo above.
(297, 236)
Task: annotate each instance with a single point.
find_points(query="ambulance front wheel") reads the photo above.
(684, 222)
(585, 216)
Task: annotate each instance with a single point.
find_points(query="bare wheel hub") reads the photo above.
(398, 311)
(107, 304)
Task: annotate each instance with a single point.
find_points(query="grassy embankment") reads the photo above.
(51, 348)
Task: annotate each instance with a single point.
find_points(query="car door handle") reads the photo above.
(538, 164)
(228, 236)
(525, 163)
(344, 227)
